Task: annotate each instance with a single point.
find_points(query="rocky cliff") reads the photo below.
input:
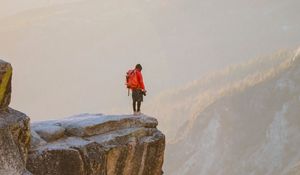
(14, 129)
(97, 144)
(86, 144)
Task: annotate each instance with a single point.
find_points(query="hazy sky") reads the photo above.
(70, 56)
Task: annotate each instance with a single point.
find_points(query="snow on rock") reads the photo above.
(48, 132)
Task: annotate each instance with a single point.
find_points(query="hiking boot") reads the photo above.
(135, 113)
(139, 113)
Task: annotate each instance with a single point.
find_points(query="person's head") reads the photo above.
(139, 67)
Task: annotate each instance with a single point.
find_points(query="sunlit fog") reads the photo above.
(71, 56)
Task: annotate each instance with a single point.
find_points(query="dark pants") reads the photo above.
(137, 98)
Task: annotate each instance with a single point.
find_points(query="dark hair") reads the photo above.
(138, 66)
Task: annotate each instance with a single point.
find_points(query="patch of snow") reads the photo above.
(47, 128)
(48, 132)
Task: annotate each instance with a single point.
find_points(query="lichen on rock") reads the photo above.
(5, 84)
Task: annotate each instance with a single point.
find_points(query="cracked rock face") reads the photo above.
(14, 142)
(97, 145)
(14, 129)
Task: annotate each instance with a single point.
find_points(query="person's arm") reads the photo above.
(141, 81)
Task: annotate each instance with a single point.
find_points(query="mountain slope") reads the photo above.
(253, 130)
(181, 106)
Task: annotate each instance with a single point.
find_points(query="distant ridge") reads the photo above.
(185, 103)
(244, 120)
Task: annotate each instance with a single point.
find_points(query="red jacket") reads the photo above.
(140, 79)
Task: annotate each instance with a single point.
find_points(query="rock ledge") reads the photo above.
(97, 144)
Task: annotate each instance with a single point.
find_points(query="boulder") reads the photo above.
(14, 142)
(19, 126)
(5, 84)
(11, 161)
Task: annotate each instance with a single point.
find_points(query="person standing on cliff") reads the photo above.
(135, 83)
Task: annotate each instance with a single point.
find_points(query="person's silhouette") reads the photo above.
(136, 83)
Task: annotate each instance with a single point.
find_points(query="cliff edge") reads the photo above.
(97, 144)
(86, 144)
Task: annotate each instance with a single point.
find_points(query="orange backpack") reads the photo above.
(131, 79)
